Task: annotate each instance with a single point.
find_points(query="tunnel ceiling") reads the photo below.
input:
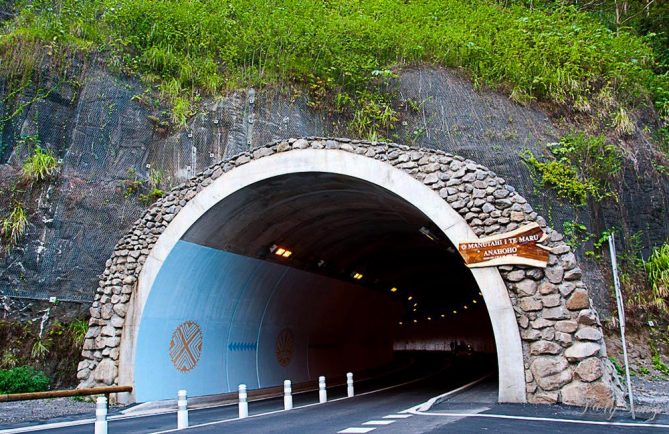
(339, 226)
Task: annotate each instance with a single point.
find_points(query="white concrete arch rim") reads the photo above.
(489, 280)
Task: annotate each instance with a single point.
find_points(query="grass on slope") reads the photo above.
(340, 48)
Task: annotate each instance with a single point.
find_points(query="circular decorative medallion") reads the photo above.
(285, 345)
(186, 346)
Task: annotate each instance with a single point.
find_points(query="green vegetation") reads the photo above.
(577, 235)
(54, 349)
(14, 226)
(203, 47)
(40, 165)
(40, 349)
(657, 268)
(23, 379)
(132, 186)
(659, 364)
(155, 192)
(582, 167)
(78, 329)
(645, 285)
(616, 364)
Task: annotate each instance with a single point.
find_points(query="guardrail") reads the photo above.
(64, 393)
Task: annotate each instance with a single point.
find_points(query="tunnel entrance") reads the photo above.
(285, 258)
(302, 275)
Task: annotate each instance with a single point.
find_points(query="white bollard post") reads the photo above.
(322, 393)
(349, 384)
(182, 410)
(101, 416)
(243, 403)
(287, 395)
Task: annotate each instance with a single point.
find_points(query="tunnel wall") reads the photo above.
(229, 319)
(563, 352)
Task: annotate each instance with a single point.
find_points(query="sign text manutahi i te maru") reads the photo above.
(518, 247)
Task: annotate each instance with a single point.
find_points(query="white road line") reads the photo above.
(355, 430)
(397, 416)
(543, 419)
(427, 405)
(378, 422)
(303, 406)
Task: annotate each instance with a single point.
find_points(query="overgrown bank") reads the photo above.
(340, 49)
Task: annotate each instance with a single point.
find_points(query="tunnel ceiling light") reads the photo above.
(393, 289)
(429, 235)
(455, 311)
(356, 276)
(401, 323)
(414, 309)
(443, 316)
(410, 297)
(280, 251)
(466, 307)
(474, 301)
(415, 305)
(415, 321)
(429, 318)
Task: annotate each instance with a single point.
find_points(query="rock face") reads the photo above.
(551, 362)
(102, 127)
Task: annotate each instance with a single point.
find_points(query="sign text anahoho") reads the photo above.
(518, 247)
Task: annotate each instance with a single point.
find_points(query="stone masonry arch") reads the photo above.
(548, 336)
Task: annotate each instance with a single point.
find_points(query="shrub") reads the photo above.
(583, 166)
(39, 165)
(657, 267)
(14, 225)
(78, 329)
(23, 379)
(155, 192)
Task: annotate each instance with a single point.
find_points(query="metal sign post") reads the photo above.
(621, 317)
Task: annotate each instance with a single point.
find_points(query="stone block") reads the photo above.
(526, 287)
(541, 323)
(106, 372)
(567, 326)
(544, 347)
(588, 334)
(515, 276)
(528, 304)
(589, 370)
(555, 313)
(565, 339)
(552, 300)
(587, 317)
(579, 300)
(554, 274)
(547, 288)
(581, 350)
(588, 394)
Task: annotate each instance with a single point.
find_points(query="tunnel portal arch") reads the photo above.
(548, 336)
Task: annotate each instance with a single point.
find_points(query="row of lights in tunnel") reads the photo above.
(284, 252)
(442, 316)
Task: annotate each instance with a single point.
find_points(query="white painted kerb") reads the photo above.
(502, 316)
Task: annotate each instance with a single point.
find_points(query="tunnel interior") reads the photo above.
(303, 275)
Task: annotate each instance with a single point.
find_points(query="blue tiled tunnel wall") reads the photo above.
(241, 306)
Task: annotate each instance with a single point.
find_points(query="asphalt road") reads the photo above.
(380, 407)
(416, 385)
